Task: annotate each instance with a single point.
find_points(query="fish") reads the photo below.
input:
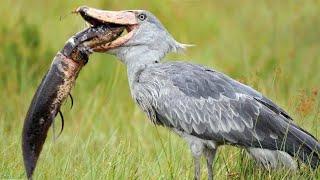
(56, 86)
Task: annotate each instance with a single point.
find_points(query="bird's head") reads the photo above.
(145, 34)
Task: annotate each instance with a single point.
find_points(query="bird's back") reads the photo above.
(211, 106)
(181, 79)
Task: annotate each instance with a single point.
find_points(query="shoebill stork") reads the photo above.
(205, 107)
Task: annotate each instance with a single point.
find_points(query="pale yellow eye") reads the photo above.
(142, 17)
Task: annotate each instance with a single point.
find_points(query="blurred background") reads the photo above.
(271, 45)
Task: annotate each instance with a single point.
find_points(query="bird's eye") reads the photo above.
(142, 17)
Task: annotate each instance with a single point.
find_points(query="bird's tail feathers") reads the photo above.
(303, 145)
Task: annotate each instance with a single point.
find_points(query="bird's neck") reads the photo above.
(137, 62)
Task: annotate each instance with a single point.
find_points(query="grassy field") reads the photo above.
(271, 45)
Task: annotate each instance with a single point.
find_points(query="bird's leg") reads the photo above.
(210, 154)
(196, 150)
(196, 160)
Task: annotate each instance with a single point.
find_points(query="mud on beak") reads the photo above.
(96, 17)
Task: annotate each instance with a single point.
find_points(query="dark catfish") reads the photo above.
(56, 86)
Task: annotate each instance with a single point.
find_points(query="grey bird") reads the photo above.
(205, 107)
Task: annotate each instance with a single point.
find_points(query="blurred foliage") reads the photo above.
(271, 45)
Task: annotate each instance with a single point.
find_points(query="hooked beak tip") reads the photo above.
(81, 9)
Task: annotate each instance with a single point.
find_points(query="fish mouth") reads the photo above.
(125, 20)
(57, 85)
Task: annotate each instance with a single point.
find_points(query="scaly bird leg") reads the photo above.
(210, 154)
(196, 167)
(196, 150)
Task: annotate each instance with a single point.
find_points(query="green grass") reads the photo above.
(271, 45)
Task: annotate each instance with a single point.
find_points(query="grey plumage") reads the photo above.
(212, 106)
(272, 159)
(206, 107)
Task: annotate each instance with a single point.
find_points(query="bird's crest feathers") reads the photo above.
(180, 47)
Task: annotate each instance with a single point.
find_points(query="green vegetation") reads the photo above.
(271, 45)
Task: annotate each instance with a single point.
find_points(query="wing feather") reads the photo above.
(207, 104)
